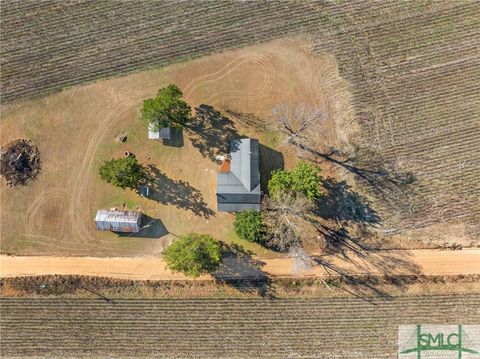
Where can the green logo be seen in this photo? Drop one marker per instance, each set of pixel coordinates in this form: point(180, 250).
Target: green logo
point(439, 341)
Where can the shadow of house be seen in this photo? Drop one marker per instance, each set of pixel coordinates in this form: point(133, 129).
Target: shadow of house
point(175, 192)
point(270, 160)
point(340, 202)
point(151, 228)
point(211, 132)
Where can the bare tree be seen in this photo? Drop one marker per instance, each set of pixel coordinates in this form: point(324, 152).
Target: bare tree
point(302, 262)
point(298, 123)
point(284, 216)
point(301, 126)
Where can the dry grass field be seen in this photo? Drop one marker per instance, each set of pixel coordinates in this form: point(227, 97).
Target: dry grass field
point(75, 131)
point(412, 69)
point(211, 328)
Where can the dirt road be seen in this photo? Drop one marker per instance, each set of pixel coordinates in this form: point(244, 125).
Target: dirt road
point(427, 262)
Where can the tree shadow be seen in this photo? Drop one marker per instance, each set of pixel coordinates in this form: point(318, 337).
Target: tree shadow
point(243, 272)
point(150, 228)
point(211, 132)
point(366, 286)
point(364, 259)
point(175, 192)
point(270, 160)
point(381, 177)
point(248, 120)
point(341, 203)
point(176, 139)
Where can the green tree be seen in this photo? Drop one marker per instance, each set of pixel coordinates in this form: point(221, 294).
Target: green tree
point(248, 225)
point(166, 109)
point(304, 179)
point(122, 172)
point(279, 183)
point(193, 255)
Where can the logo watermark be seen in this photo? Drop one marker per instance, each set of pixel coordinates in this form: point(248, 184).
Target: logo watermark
point(423, 341)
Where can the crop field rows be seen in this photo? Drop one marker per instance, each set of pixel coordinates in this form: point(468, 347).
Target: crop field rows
point(47, 47)
point(413, 74)
point(215, 327)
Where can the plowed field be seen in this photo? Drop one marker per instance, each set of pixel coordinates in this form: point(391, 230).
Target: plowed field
point(221, 328)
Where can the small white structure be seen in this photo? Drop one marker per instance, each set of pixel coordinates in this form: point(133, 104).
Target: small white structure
point(165, 133)
point(118, 221)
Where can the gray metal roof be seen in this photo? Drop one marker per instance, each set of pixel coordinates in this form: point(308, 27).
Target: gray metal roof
point(244, 175)
point(244, 163)
point(228, 183)
point(238, 207)
point(238, 198)
point(165, 133)
point(239, 189)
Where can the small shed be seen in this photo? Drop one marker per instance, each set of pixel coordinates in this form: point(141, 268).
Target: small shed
point(118, 221)
point(164, 133)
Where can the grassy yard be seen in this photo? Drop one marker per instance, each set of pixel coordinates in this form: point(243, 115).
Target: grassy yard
point(76, 129)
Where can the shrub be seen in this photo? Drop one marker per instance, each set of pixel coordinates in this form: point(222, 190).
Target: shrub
point(248, 225)
point(193, 255)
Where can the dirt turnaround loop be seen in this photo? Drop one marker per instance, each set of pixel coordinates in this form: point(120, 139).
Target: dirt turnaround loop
point(19, 162)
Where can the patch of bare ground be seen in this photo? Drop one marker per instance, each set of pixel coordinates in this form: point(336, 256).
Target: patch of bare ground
point(19, 162)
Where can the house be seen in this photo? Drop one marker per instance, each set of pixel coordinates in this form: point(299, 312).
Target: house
point(118, 221)
point(238, 182)
point(164, 133)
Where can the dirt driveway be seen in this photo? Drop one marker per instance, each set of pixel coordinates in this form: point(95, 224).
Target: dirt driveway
point(427, 262)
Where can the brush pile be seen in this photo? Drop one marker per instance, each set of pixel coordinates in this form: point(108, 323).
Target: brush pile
point(19, 162)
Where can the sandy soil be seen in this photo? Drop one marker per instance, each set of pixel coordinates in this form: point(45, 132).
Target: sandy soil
point(75, 132)
point(426, 262)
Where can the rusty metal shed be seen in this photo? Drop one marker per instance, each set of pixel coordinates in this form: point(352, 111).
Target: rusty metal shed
point(118, 221)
